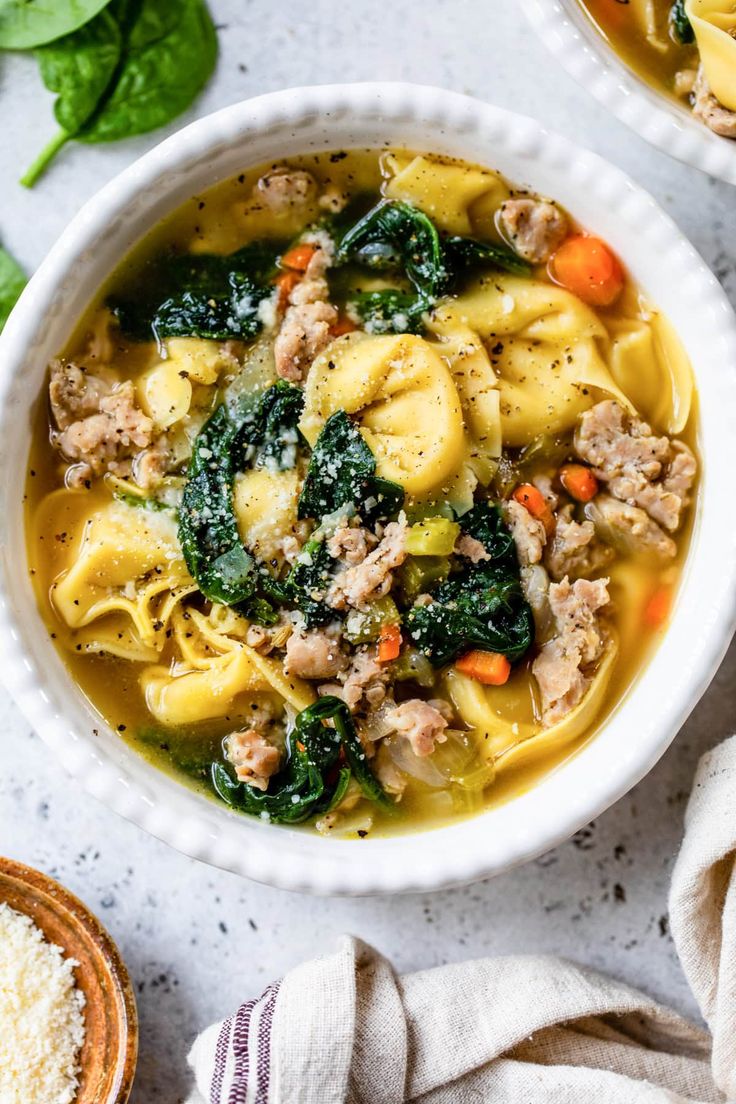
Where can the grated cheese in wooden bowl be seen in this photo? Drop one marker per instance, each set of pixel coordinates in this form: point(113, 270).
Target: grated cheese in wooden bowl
point(41, 1018)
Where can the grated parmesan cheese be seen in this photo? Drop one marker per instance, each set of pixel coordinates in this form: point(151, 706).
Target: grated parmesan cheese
point(41, 1019)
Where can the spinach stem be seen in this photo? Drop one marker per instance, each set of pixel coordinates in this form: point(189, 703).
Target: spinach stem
point(47, 154)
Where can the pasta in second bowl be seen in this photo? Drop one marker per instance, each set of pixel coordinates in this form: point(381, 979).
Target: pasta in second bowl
point(667, 68)
point(369, 489)
point(686, 48)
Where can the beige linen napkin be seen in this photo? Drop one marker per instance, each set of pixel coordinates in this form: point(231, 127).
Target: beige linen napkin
point(345, 1029)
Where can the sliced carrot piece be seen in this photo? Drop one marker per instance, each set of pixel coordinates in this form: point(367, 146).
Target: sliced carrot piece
point(532, 499)
point(658, 607)
point(490, 668)
point(342, 326)
point(286, 282)
point(587, 267)
point(389, 643)
point(299, 256)
point(579, 482)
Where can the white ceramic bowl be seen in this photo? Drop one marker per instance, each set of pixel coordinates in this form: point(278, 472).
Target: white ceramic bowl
point(565, 29)
point(634, 738)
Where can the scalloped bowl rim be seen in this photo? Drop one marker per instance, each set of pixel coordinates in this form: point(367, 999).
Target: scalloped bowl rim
point(642, 726)
point(583, 52)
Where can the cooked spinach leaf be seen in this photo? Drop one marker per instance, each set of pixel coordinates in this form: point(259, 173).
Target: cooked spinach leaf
point(354, 752)
point(25, 24)
point(465, 253)
point(234, 315)
point(313, 778)
point(12, 282)
point(396, 235)
point(341, 476)
point(208, 530)
point(142, 502)
point(481, 605)
point(682, 28)
point(257, 430)
point(389, 311)
point(342, 471)
point(134, 68)
point(200, 295)
point(486, 524)
point(308, 580)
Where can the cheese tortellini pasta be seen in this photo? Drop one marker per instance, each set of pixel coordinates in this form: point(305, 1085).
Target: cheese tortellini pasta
point(686, 49)
point(714, 24)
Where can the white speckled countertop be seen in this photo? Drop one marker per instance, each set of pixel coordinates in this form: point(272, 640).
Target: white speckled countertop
point(196, 940)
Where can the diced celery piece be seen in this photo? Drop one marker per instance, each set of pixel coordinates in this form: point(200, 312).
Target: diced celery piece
point(417, 575)
point(435, 536)
point(412, 666)
point(362, 626)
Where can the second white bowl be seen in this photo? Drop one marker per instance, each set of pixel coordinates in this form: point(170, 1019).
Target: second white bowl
point(565, 29)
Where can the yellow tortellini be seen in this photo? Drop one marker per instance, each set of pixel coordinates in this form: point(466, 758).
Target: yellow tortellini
point(165, 390)
point(454, 196)
point(649, 363)
point(480, 399)
point(187, 696)
point(129, 561)
point(216, 669)
point(406, 400)
point(714, 23)
point(113, 635)
point(266, 506)
point(165, 393)
point(476, 383)
point(199, 359)
point(545, 347)
point(515, 744)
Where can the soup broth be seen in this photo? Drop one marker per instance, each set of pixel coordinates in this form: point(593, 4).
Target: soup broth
point(363, 492)
point(687, 50)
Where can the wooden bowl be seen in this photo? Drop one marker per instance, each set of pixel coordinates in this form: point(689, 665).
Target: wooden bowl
point(110, 1048)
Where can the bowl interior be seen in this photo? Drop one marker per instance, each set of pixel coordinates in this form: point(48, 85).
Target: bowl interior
point(568, 32)
point(675, 278)
point(109, 1052)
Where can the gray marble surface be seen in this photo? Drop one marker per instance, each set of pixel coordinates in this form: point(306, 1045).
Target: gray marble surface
point(197, 940)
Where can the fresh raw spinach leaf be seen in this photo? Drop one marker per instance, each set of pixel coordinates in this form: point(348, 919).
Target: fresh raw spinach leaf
point(170, 53)
point(389, 311)
point(682, 28)
point(25, 24)
point(12, 282)
point(481, 605)
point(203, 295)
point(258, 430)
point(79, 68)
point(134, 68)
point(313, 778)
point(342, 471)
